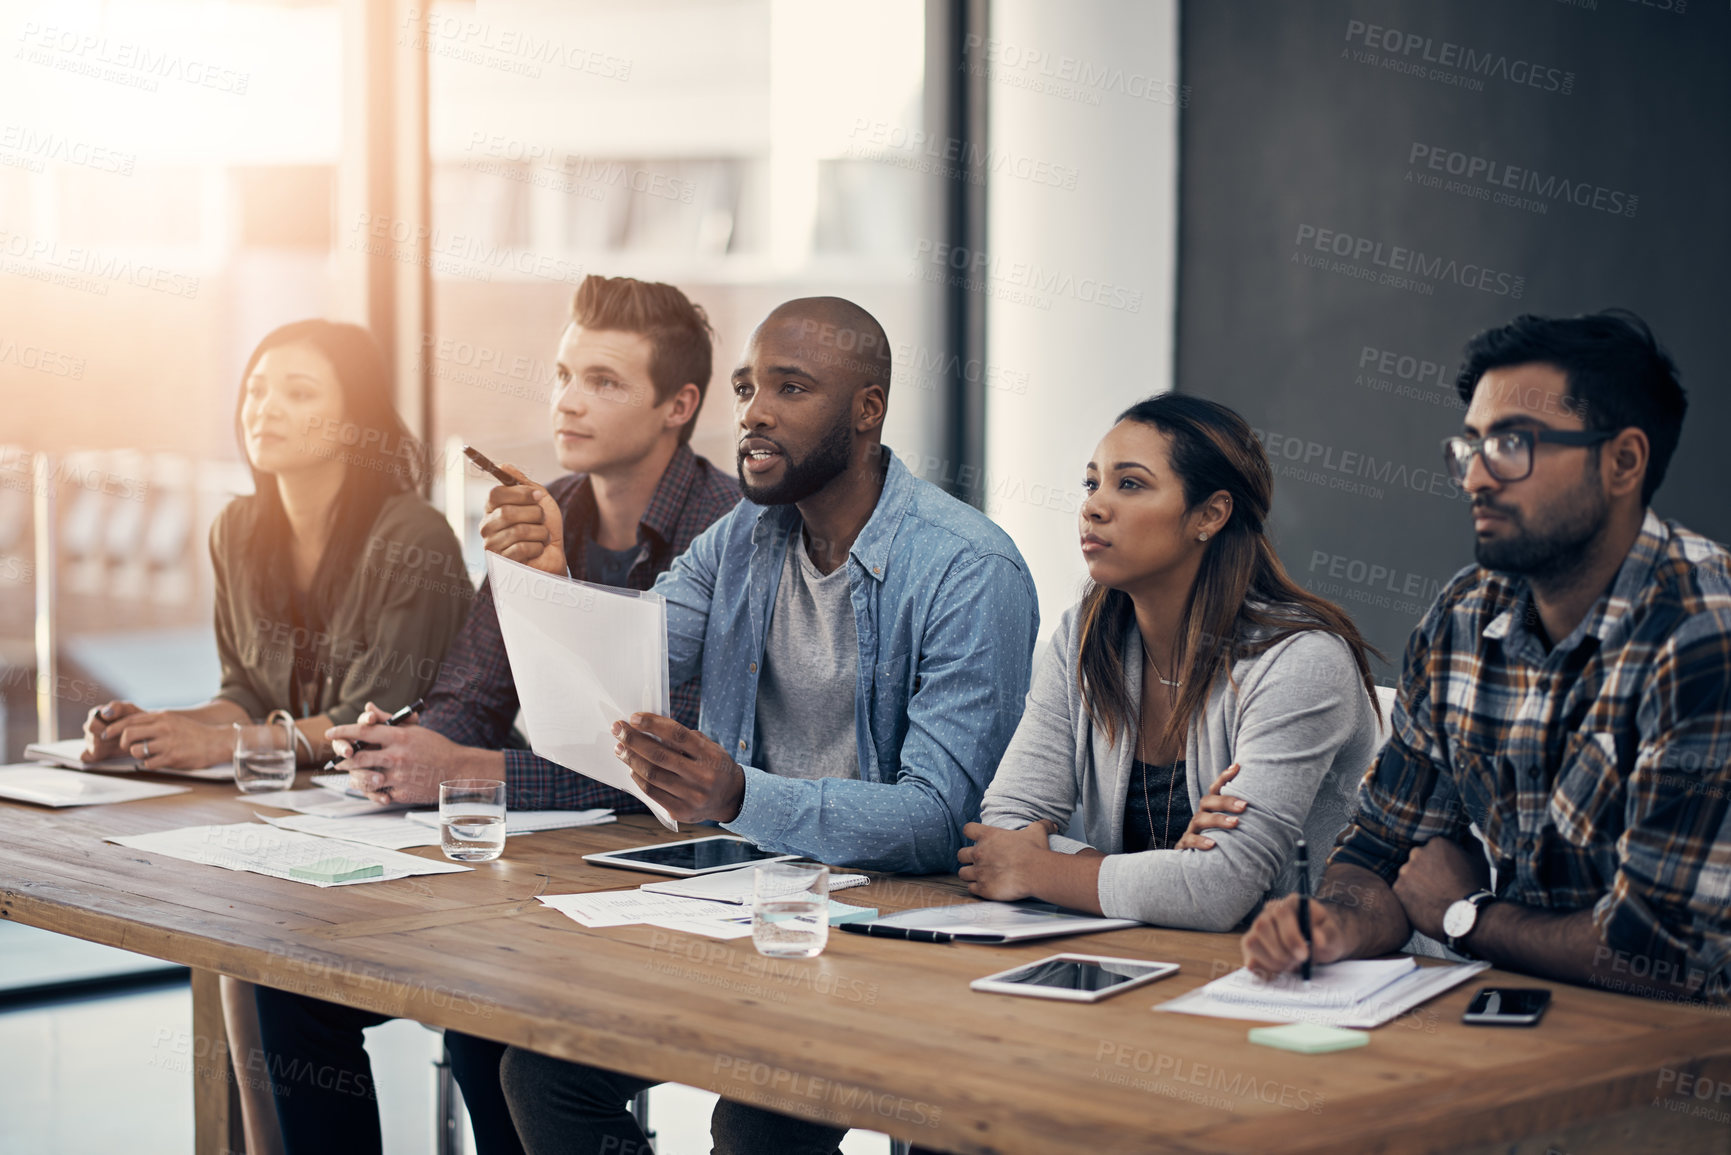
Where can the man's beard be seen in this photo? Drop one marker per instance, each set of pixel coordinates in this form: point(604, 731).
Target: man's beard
point(803, 478)
point(1553, 550)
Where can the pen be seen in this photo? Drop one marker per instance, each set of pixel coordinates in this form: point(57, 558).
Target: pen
point(400, 716)
point(914, 934)
point(1304, 905)
point(486, 463)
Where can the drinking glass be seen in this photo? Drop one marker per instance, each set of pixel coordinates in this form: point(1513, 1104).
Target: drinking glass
point(790, 909)
point(264, 753)
point(472, 819)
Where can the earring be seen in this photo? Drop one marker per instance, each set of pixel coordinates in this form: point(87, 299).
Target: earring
point(1203, 536)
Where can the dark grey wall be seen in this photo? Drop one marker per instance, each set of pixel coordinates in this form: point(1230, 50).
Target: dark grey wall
point(1295, 124)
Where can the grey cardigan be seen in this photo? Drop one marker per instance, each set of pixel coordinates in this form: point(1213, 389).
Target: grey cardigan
point(1296, 717)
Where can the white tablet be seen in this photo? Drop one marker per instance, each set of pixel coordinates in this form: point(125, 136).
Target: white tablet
point(1080, 978)
point(688, 857)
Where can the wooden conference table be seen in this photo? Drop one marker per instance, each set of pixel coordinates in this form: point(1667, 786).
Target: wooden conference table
point(874, 1033)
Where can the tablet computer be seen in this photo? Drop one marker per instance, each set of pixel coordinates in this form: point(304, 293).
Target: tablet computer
point(1080, 978)
point(688, 857)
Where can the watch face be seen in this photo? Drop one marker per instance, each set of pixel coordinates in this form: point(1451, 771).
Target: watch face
point(1458, 919)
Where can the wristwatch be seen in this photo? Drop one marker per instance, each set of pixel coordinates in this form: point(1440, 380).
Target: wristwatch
point(1461, 917)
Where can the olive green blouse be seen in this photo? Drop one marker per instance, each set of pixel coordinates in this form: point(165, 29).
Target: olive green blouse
point(403, 606)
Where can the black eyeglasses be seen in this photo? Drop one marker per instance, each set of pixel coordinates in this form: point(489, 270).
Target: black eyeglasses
point(1509, 455)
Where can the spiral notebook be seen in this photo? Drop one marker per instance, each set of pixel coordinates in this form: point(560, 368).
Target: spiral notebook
point(735, 885)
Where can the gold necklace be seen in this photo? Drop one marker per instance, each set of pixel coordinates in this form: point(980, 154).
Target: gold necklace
point(1172, 783)
point(1163, 679)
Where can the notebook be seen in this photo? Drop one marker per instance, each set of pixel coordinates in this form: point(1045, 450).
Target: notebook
point(991, 922)
point(736, 885)
point(68, 753)
point(52, 786)
point(1360, 993)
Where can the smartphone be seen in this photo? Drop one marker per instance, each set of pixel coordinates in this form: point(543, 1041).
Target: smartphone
point(1507, 1007)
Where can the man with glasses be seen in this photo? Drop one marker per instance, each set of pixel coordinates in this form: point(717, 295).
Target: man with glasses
point(1556, 793)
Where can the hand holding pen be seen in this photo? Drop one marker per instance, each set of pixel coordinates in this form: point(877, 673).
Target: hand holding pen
point(522, 523)
point(397, 719)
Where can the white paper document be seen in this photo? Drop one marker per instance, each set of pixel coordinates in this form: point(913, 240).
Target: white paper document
point(739, 886)
point(337, 784)
point(1359, 993)
point(388, 831)
point(68, 753)
point(52, 786)
point(398, 831)
point(583, 657)
point(625, 907)
point(267, 850)
point(324, 803)
point(712, 926)
point(610, 908)
point(530, 821)
point(729, 921)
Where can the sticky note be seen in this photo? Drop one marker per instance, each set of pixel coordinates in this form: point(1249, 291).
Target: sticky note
point(1308, 1038)
point(335, 870)
point(841, 912)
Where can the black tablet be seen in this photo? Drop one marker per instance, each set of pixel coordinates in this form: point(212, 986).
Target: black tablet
point(689, 857)
point(1082, 978)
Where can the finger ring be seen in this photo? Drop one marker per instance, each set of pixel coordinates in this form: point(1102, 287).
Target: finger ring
point(145, 746)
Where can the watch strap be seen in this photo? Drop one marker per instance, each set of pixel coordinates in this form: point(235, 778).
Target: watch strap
point(1478, 899)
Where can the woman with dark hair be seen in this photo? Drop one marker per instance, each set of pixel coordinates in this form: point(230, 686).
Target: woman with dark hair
point(336, 583)
point(336, 586)
point(1192, 661)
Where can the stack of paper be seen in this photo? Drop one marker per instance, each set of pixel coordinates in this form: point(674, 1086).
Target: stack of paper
point(265, 849)
point(1361, 993)
point(50, 786)
point(69, 754)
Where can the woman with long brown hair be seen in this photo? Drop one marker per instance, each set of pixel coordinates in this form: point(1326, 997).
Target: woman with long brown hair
point(336, 585)
point(336, 582)
point(1191, 658)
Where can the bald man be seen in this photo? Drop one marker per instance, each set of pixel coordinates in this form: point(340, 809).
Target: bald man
point(864, 641)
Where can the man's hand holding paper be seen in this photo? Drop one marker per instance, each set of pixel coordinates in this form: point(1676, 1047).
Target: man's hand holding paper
point(681, 769)
point(582, 656)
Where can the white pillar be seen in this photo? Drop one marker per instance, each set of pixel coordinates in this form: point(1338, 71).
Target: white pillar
point(1082, 227)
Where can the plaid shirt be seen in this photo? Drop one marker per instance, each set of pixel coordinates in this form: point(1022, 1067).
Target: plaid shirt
point(475, 700)
point(1598, 773)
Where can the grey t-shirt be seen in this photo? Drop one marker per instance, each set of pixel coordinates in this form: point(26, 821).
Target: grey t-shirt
point(805, 693)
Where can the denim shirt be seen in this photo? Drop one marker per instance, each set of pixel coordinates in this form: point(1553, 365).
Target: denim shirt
point(946, 615)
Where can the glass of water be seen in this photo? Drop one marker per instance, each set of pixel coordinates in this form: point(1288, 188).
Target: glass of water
point(790, 909)
point(264, 753)
point(472, 819)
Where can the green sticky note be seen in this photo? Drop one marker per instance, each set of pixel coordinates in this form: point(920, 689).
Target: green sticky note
point(840, 912)
point(335, 870)
point(1308, 1038)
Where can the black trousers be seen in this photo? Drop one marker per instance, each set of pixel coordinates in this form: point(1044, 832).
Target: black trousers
point(316, 1061)
point(564, 1108)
